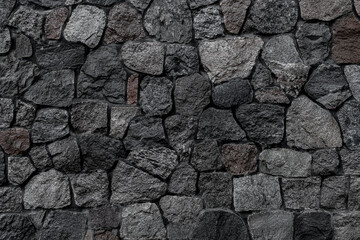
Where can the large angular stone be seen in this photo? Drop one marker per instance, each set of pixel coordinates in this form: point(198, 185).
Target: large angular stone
point(216, 189)
point(54, 23)
point(192, 94)
point(301, 193)
point(40, 157)
point(325, 162)
point(206, 156)
point(234, 14)
point(181, 213)
point(354, 193)
point(19, 169)
point(308, 126)
point(120, 118)
point(220, 125)
point(25, 114)
point(2, 168)
point(169, 21)
point(183, 180)
point(228, 58)
point(15, 141)
point(23, 45)
point(142, 221)
point(156, 96)
point(145, 131)
point(50, 124)
point(272, 225)
point(256, 192)
point(130, 184)
point(324, 10)
point(5, 40)
point(232, 93)
point(349, 120)
point(47, 190)
point(5, 9)
point(16, 226)
point(346, 225)
point(105, 217)
point(144, 57)
point(352, 73)
point(28, 20)
point(90, 189)
point(100, 151)
point(208, 23)
point(55, 89)
point(240, 159)
point(7, 112)
point(220, 224)
point(327, 85)
point(313, 226)
point(333, 192)
point(181, 60)
point(86, 25)
point(11, 199)
point(313, 41)
point(271, 17)
point(263, 123)
point(281, 56)
point(124, 24)
point(350, 161)
point(64, 225)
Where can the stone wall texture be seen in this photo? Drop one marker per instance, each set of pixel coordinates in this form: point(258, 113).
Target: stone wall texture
point(180, 119)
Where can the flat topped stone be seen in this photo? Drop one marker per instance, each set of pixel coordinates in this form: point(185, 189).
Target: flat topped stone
point(324, 10)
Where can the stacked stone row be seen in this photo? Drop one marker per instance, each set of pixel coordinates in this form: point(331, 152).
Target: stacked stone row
point(175, 119)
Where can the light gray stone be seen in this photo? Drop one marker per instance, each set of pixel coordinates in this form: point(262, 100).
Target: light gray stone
point(206, 156)
point(346, 225)
point(349, 120)
point(5, 40)
point(325, 162)
point(352, 73)
point(333, 192)
point(19, 169)
point(350, 160)
point(11, 199)
point(120, 118)
point(208, 23)
point(354, 193)
point(7, 112)
point(324, 10)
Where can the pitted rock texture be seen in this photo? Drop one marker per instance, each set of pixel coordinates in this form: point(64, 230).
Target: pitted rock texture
point(324, 10)
point(240, 158)
point(349, 122)
point(234, 14)
point(313, 225)
point(208, 23)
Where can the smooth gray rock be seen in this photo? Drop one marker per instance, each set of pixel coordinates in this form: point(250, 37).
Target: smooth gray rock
point(86, 25)
point(206, 156)
point(47, 190)
point(308, 126)
point(354, 193)
point(272, 225)
point(142, 221)
point(11, 199)
point(350, 160)
point(16, 226)
point(220, 125)
point(23, 45)
point(5, 40)
point(40, 157)
point(349, 119)
point(25, 114)
point(105, 217)
point(325, 162)
point(208, 23)
point(130, 184)
point(333, 192)
point(183, 180)
point(169, 21)
point(313, 226)
point(50, 124)
point(301, 193)
point(285, 162)
point(232, 93)
point(223, 59)
point(352, 73)
point(6, 112)
point(346, 225)
point(256, 192)
point(181, 60)
point(200, 3)
point(19, 169)
point(120, 118)
point(324, 10)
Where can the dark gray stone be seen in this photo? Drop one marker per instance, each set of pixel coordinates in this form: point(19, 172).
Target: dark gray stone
point(140, 4)
point(354, 193)
point(48, 3)
point(19, 169)
point(234, 12)
point(106, 217)
point(325, 162)
point(130, 184)
point(192, 94)
point(324, 10)
point(200, 3)
point(6, 112)
point(346, 225)
point(220, 125)
point(100, 152)
point(25, 114)
point(2, 168)
point(181, 60)
point(120, 119)
point(15, 227)
point(11, 199)
point(232, 93)
point(273, 17)
point(208, 23)
point(333, 192)
point(101, 2)
point(5, 40)
point(263, 123)
point(183, 180)
point(23, 46)
point(216, 224)
point(350, 161)
point(5, 9)
point(156, 96)
point(216, 189)
point(54, 89)
point(349, 120)
point(352, 73)
point(313, 226)
point(145, 131)
point(169, 21)
point(40, 157)
point(206, 156)
point(313, 40)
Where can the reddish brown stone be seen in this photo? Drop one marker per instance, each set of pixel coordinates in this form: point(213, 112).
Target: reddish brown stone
point(124, 24)
point(15, 140)
point(271, 95)
point(105, 235)
point(54, 22)
point(234, 13)
point(240, 158)
point(132, 89)
point(346, 40)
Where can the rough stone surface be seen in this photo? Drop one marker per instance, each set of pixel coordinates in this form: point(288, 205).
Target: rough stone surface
point(144, 57)
point(54, 89)
point(90, 189)
point(232, 93)
point(142, 221)
point(271, 17)
point(350, 160)
point(327, 85)
point(15, 140)
point(50, 124)
point(333, 192)
point(140, 4)
point(228, 58)
point(313, 40)
point(156, 96)
point(208, 23)
point(240, 158)
point(169, 21)
point(216, 189)
point(47, 190)
point(206, 156)
point(272, 225)
point(346, 225)
point(132, 89)
point(28, 20)
point(200, 3)
point(352, 73)
point(234, 14)
point(181, 60)
point(281, 56)
point(2, 168)
point(54, 23)
point(308, 126)
point(263, 123)
point(65, 155)
point(301, 193)
point(7, 112)
point(313, 225)
point(48, 3)
point(256, 192)
point(105, 217)
point(124, 23)
point(348, 116)
point(23, 45)
point(16, 226)
point(120, 118)
point(5, 9)
point(324, 10)
point(220, 224)
point(325, 162)
point(354, 193)
point(25, 114)
point(11, 199)
point(285, 162)
point(183, 180)
point(19, 169)
point(192, 94)
point(5, 40)
point(130, 184)
point(86, 25)
point(40, 157)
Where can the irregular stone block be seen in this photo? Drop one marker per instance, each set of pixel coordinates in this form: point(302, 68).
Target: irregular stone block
point(106, 217)
point(140, 4)
point(232, 93)
point(240, 159)
point(25, 114)
point(16, 226)
point(40, 157)
point(350, 160)
point(346, 225)
point(23, 45)
point(181, 60)
point(11, 199)
point(132, 89)
point(54, 23)
point(325, 162)
point(349, 119)
point(314, 226)
point(324, 10)
point(120, 118)
point(333, 192)
point(206, 156)
point(2, 168)
point(208, 23)
point(5, 40)
point(6, 112)
point(352, 73)
point(183, 180)
point(234, 14)
point(354, 193)
point(5, 9)
point(19, 169)
point(15, 140)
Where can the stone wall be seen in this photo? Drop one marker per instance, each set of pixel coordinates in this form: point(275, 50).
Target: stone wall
point(179, 119)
